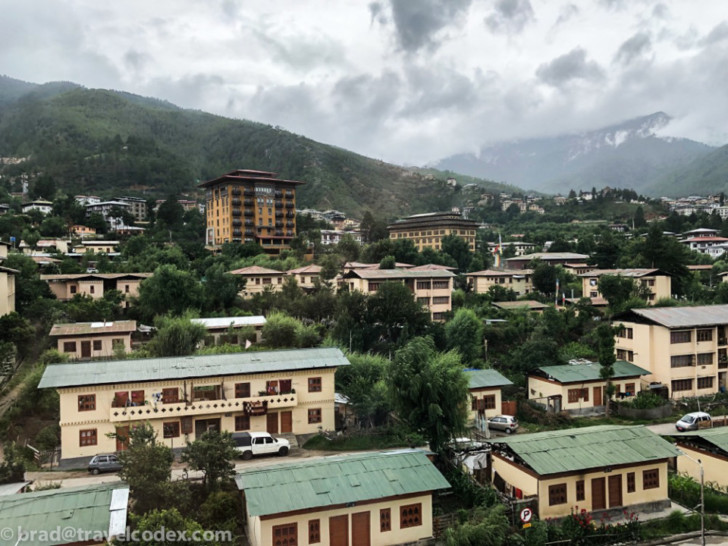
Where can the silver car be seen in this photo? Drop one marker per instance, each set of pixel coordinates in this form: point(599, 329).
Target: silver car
point(506, 423)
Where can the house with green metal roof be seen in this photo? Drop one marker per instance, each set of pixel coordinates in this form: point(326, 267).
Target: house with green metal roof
point(281, 392)
point(71, 515)
point(485, 394)
point(710, 447)
point(578, 387)
point(599, 468)
point(367, 498)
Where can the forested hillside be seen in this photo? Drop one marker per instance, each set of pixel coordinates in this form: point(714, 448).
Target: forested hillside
point(108, 142)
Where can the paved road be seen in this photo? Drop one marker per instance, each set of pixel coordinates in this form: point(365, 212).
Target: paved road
point(665, 429)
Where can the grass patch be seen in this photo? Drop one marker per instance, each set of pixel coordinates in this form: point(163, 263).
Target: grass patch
point(677, 523)
point(361, 442)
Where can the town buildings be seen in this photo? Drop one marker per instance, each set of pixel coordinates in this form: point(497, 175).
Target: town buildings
point(655, 284)
point(276, 391)
point(219, 329)
point(87, 340)
point(40, 205)
point(685, 348)
point(257, 279)
point(518, 280)
point(485, 395)
point(427, 230)
point(136, 206)
point(551, 258)
point(360, 499)
point(246, 205)
point(598, 468)
point(710, 447)
point(94, 285)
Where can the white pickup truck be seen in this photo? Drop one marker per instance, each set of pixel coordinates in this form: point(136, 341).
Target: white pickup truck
point(260, 443)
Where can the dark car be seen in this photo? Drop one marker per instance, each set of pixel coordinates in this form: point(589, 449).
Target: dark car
point(104, 463)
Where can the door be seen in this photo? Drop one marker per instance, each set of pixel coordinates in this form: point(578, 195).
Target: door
point(599, 501)
point(272, 423)
point(360, 529)
point(286, 421)
point(85, 349)
point(339, 531)
point(615, 490)
point(122, 438)
point(203, 425)
point(597, 396)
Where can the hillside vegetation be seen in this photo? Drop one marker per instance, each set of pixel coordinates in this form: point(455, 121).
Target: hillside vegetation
point(110, 143)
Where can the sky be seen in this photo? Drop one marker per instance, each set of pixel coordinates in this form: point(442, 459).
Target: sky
point(405, 81)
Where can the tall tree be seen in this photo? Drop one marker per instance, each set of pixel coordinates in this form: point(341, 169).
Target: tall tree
point(169, 290)
point(605, 350)
point(211, 453)
point(465, 334)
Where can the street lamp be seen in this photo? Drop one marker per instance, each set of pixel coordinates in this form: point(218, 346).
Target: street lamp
point(702, 495)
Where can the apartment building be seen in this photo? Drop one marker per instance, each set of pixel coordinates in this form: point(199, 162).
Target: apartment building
point(227, 329)
point(427, 230)
point(95, 246)
point(39, 204)
point(598, 468)
point(432, 289)
point(181, 398)
point(306, 276)
point(137, 206)
point(518, 280)
point(66, 286)
point(358, 499)
point(685, 348)
point(656, 283)
point(520, 248)
point(551, 258)
point(258, 279)
point(251, 206)
point(87, 340)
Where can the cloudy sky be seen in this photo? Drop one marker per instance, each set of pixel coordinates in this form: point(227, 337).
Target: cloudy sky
point(406, 81)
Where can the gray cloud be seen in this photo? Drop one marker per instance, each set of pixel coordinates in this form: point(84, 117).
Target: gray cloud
point(568, 67)
point(566, 13)
point(419, 22)
point(718, 34)
point(660, 11)
point(377, 12)
point(136, 60)
point(510, 16)
point(635, 47)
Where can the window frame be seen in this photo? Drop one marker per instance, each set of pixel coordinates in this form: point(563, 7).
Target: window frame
point(86, 402)
point(315, 416)
point(171, 429)
point(558, 494)
point(651, 478)
point(88, 437)
point(315, 384)
point(385, 520)
point(412, 519)
point(241, 389)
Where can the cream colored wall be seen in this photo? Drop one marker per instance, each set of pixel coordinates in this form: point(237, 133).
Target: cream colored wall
point(515, 476)
point(133, 285)
point(481, 284)
point(715, 470)
point(84, 288)
point(251, 288)
point(435, 293)
point(538, 388)
point(7, 292)
point(639, 495)
point(72, 420)
point(107, 345)
point(395, 536)
point(480, 394)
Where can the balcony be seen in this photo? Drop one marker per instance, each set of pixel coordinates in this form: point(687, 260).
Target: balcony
point(236, 190)
point(237, 222)
point(278, 194)
point(249, 202)
point(249, 193)
point(279, 204)
point(289, 224)
point(236, 202)
point(237, 233)
point(290, 205)
point(279, 214)
point(289, 194)
point(290, 214)
point(236, 212)
point(203, 407)
point(249, 212)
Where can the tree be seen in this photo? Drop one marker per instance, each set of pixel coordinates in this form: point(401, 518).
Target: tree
point(279, 331)
point(544, 278)
point(349, 248)
point(484, 526)
point(605, 350)
point(170, 213)
point(639, 217)
point(12, 468)
point(211, 453)
point(160, 527)
point(429, 391)
point(457, 248)
point(364, 384)
point(616, 290)
point(176, 336)
point(220, 288)
point(465, 334)
point(388, 262)
point(394, 311)
point(146, 467)
point(169, 290)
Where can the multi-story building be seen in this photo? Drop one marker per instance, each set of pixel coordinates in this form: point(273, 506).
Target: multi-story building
point(306, 276)
point(181, 398)
point(658, 284)
point(334, 236)
point(427, 230)
point(685, 348)
point(96, 247)
point(251, 206)
point(551, 258)
point(258, 279)
point(39, 204)
point(109, 212)
point(86, 340)
point(65, 286)
point(518, 280)
point(137, 206)
point(431, 288)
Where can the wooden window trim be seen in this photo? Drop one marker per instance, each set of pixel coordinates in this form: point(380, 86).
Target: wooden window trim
point(88, 437)
point(242, 422)
point(86, 402)
point(314, 531)
point(557, 494)
point(314, 384)
point(285, 534)
point(171, 429)
point(242, 390)
point(651, 478)
point(314, 416)
point(631, 482)
point(385, 520)
point(410, 515)
point(580, 492)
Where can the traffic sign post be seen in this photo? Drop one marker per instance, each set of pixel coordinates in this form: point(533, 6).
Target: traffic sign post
point(526, 515)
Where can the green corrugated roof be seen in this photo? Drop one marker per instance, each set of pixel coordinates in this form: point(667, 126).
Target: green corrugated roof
point(96, 509)
point(486, 378)
point(157, 369)
point(577, 373)
point(337, 480)
point(571, 450)
point(716, 436)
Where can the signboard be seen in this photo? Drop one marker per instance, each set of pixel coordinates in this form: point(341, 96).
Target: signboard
point(526, 515)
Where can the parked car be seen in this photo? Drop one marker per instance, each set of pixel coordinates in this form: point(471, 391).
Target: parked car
point(260, 443)
point(104, 463)
point(506, 423)
point(693, 421)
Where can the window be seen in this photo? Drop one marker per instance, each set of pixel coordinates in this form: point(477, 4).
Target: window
point(705, 359)
point(87, 437)
point(69, 346)
point(682, 361)
point(580, 490)
point(704, 335)
point(629, 388)
point(682, 385)
point(441, 300)
point(285, 535)
point(126, 288)
point(682, 336)
point(630, 482)
point(489, 401)
point(374, 286)
point(97, 344)
point(423, 301)
point(242, 422)
point(170, 396)
point(385, 520)
point(314, 531)
point(86, 402)
point(576, 394)
point(440, 285)
point(557, 494)
point(705, 382)
point(314, 415)
point(650, 479)
point(242, 390)
point(91, 289)
point(410, 515)
point(314, 384)
point(74, 289)
point(171, 430)
point(137, 398)
point(187, 425)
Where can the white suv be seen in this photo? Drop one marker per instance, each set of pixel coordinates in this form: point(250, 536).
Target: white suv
point(260, 443)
